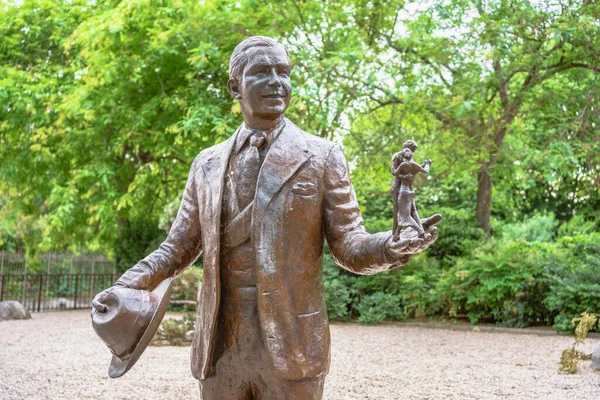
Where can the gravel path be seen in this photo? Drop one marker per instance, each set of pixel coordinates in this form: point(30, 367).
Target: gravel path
point(58, 356)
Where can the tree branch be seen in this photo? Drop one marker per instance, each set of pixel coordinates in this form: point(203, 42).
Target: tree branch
point(501, 84)
point(424, 58)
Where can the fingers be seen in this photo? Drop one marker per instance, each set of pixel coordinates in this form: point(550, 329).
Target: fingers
point(97, 301)
point(409, 243)
point(434, 234)
point(401, 244)
point(406, 245)
point(430, 237)
point(414, 245)
point(431, 221)
point(99, 306)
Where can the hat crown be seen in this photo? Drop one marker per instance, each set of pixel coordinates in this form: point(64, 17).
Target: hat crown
point(129, 311)
point(129, 321)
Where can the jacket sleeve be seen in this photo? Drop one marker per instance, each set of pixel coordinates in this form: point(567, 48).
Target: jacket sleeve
point(352, 247)
point(181, 249)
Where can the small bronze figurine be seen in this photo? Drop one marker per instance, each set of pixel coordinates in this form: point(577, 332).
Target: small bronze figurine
point(404, 169)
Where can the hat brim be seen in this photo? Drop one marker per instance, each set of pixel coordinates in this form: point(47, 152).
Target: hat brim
point(118, 367)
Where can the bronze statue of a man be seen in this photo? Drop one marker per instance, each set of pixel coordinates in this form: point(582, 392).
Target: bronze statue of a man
point(260, 206)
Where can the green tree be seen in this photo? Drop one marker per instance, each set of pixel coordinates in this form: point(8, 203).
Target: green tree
point(465, 76)
point(105, 105)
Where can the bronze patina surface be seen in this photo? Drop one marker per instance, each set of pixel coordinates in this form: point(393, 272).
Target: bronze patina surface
point(404, 169)
point(260, 206)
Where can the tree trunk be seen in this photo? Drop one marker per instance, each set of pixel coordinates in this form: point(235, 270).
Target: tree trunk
point(484, 199)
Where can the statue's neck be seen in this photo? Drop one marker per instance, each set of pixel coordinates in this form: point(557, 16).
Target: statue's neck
point(263, 124)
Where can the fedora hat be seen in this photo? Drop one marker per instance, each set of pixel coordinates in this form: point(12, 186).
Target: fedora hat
point(130, 320)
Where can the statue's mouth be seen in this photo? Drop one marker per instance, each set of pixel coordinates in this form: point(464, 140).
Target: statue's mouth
point(274, 96)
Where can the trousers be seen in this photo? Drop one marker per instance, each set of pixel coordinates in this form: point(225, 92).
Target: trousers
point(243, 369)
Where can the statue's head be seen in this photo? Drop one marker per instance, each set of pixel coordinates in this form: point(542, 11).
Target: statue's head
point(407, 154)
point(411, 145)
point(259, 77)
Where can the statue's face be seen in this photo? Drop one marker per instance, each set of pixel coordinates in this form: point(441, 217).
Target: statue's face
point(265, 89)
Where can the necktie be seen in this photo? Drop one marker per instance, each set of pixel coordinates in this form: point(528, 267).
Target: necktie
point(247, 172)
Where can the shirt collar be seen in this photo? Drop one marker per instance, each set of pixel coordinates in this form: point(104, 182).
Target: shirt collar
point(246, 132)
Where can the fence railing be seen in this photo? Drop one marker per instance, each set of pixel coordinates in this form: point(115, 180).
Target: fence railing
point(53, 292)
point(64, 281)
point(17, 263)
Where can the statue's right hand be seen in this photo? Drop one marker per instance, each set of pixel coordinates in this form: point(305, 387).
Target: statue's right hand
point(97, 302)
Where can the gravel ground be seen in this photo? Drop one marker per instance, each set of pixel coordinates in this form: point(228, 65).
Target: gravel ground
point(58, 356)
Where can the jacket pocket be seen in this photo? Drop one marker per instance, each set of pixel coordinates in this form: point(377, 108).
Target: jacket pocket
point(304, 189)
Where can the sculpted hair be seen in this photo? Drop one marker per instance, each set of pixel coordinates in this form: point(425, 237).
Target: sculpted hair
point(239, 58)
point(410, 144)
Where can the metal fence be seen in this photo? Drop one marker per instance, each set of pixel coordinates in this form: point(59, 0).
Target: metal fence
point(54, 292)
point(65, 281)
point(17, 263)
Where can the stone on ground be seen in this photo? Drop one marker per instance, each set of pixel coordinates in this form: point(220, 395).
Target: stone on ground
point(596, 358)
point(10, 310)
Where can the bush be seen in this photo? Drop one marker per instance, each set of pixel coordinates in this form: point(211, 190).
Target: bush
point(574, 281)
point(369, 299)
point(518, 280)
point(503, 282)
point(539, 228)
point(397, 295)
point(376, 307)
point(577, 226)
point(185, 288)
point(172, 331)
point(337, 292)
point(459, 234)
point(417, 290)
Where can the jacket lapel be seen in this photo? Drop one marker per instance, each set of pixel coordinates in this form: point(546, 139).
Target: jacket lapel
point(284, 158)
point(215, 169)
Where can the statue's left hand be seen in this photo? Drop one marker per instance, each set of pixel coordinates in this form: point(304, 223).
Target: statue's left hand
point(411, 243)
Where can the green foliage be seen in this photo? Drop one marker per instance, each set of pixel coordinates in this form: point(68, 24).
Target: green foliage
point(417, 291)
point(539, 228)
point(574, 280)
point(105, 104)
point(459, 235)
point(378, 306)
point(514, 283)
point(137, 238)
point(172, 331)
point(337, 290)
point(576, 226)
point(394, 295)
point(502, 282)
point(185, 288)
point(369, 299)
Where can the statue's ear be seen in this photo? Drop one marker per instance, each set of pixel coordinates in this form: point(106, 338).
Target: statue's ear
point(234, 88)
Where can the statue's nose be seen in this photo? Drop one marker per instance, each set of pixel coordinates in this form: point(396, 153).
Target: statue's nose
point(274, 78)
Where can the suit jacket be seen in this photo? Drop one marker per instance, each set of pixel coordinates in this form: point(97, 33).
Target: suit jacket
point(303, 196)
